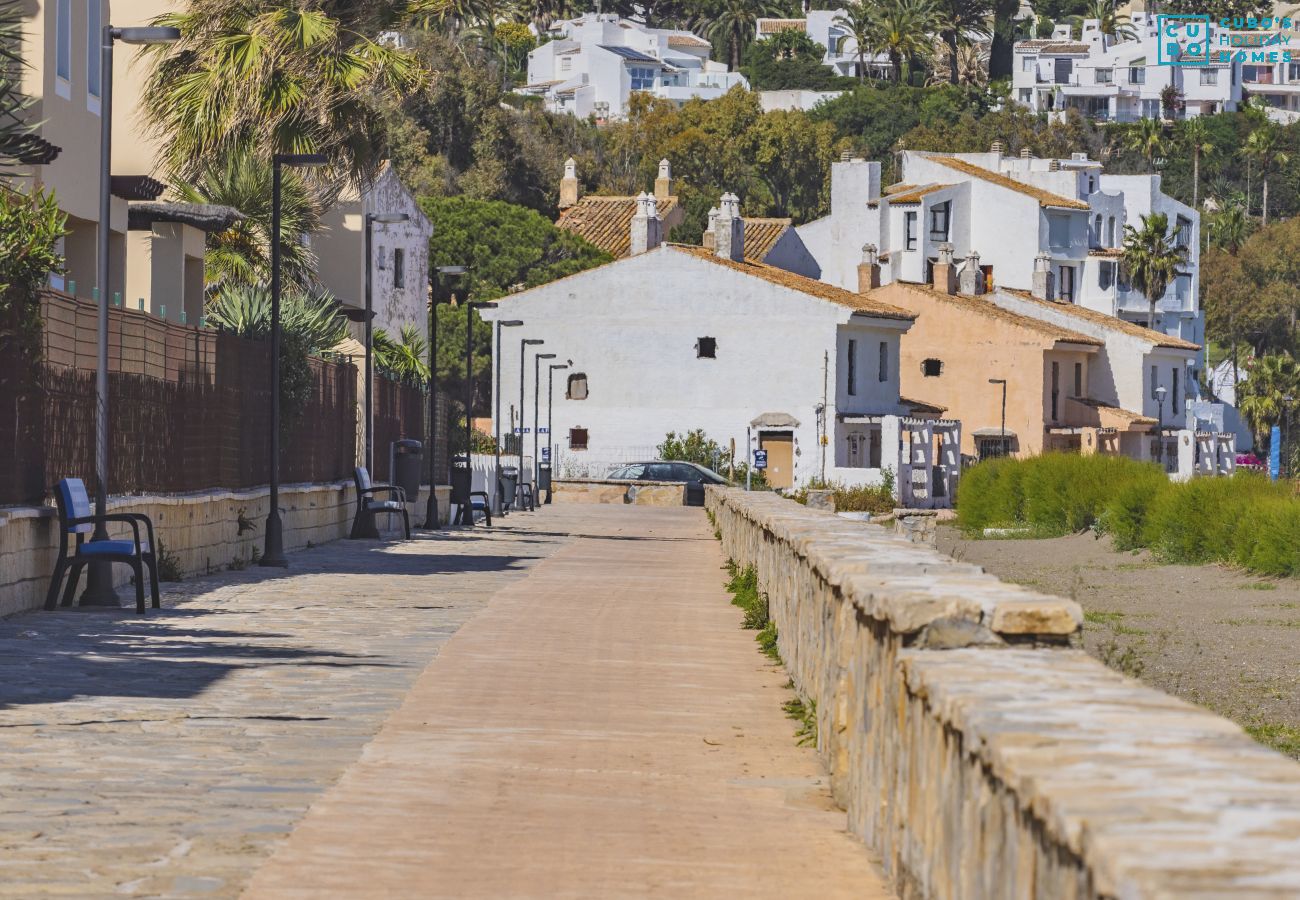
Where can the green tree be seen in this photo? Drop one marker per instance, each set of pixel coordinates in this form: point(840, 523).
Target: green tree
point(241, 254)
point(1195, 136)
point(272, 76)
point(1111, 21)
point(730, 24)
point(30, 228)
point(1147, 137)
point(789, 60)
point(1152, 258)
point(792, 157)
point(859, 20)
point(1263, 147)
point(1270, 391)
point(693, 446)
point(902, 30)
point(962, 22)
point(404, 358)
point(1004, 37)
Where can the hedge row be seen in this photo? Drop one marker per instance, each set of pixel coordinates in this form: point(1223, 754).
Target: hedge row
point(1245, 520)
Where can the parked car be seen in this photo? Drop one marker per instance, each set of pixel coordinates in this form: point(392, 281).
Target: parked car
point(695, 477)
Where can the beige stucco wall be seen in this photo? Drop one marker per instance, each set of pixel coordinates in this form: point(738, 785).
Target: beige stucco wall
point(979, 754)
point(637, 493)
point(974, 348)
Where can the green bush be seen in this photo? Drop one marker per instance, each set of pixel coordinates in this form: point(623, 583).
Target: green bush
point(1245, 520)
point(878, 498)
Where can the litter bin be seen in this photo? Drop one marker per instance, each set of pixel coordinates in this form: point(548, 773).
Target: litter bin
point(509, 485)
point(408, 463)
point(461, 479)
point(544, 481)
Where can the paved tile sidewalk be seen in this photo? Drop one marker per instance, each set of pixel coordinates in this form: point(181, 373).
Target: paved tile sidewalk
point(168, 755)
point(602, 729)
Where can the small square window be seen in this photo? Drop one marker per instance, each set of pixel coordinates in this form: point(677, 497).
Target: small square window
point(706, 348)
point(577, 439)
point(931, 368)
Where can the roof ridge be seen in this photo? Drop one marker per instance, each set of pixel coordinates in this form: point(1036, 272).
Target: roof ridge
point(1044, 197)
point(977, 304)
point(1105, 320)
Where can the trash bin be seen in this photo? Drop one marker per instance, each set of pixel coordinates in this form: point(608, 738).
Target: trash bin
point(461, 479)
point(408, 463)
point(544, 478)
point(509, 485)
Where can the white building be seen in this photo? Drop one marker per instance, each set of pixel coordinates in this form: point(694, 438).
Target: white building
point(674, 338)
point(841, 49)
point(593, 63)
point(1119, 81)
point(399, 255)
point(1010, 210)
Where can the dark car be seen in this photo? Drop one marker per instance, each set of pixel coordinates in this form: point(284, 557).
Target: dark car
point(695, 477)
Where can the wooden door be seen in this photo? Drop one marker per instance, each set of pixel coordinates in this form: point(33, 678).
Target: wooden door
point(780, 458)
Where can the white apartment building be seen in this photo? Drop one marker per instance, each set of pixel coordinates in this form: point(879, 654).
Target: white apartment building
point(841, 49)
point(592, 64)
point(1119, 81)
point(1014, 212)
point(674, 338)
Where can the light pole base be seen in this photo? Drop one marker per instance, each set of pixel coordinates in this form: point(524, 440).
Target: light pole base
point(99, 590)
point(273, 554)
point(432, 521)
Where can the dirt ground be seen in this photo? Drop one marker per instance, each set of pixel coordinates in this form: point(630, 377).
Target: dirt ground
point(1224, 639)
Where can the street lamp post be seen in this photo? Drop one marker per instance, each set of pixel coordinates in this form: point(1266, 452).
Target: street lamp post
point(99, 579)
point(1160, 427)
point(496, 417)
point(1002, 434)
point(523, 352)
point(373, 219)
point(537, 419)
point(273, 551)
point(431, 518)
point(550, 403)
point(466, 515)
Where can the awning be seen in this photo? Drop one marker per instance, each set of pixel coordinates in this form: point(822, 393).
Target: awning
point(775, 420)
point(993, 433)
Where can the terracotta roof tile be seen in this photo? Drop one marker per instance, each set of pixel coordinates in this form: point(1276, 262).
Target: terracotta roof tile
point(1100, 318)
point(1119, 412)
point(898, 188)
point(772, 26)
point(761, 236)
point(1064, 47)
point(607, 221)
point(991, 310)
point(810, 286)
point(915, 195)
point(687, 40)
point(1044, 198)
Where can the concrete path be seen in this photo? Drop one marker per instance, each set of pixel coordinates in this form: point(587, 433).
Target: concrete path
point(603, 728)
point(167, 755)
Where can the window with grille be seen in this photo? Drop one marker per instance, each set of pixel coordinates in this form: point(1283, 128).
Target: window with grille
point(706, 348)
point(931, 368)
point(577, 439)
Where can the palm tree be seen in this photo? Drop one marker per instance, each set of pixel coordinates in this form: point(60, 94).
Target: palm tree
point(1195, 134)
point(242, 253)
point(1112, 23)
point(1229, 226)
point(859, 20)
point(1262, 147)
point(1272, 383)
point(960, 20)
point(972, 65)
point(1152, 258)
point(1146, 136)
point(731, 23)
point(903, 30)
point(274, 75)
point(403, 358)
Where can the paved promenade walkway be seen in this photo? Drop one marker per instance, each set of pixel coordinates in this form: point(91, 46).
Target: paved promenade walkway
point(562, 707)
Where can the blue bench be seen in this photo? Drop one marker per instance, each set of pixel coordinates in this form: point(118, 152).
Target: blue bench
point(368, 505)
point(77, 519)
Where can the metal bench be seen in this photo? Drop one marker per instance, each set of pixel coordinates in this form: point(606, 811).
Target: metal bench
point(76, 518)
point(368, 505)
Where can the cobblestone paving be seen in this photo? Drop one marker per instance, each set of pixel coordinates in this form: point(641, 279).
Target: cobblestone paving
point(168, 755)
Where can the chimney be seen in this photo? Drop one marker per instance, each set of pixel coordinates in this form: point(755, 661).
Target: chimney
point(664, 183)
point(1042, 282)
point(647, 228)
point(869, 269)
point(970, 280)
point(1054, 165)
point(1025, 154)
point(945, 273)
point(997, 149)
point(569, 184)
point(710, 239)
point(729, 232)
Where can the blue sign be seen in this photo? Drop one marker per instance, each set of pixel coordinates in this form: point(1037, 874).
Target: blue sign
point(523, 431)
point(543, 431)
point(1275, 453)
point(546, 454)
point(760, 459)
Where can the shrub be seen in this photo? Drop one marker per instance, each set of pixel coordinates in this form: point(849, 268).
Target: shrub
point(878, 498)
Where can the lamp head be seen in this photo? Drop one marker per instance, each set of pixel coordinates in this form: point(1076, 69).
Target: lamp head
point(997, 381)
point(147, 35)
point(532, 341)
point(388, 218)
point(546, 356)
point(561, 366)
point(300, 160)
point(510, 323)
point(482, 304)
point(1160, 392)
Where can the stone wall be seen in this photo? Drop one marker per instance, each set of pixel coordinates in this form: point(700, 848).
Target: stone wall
point(204, 531)
point(979, 753)
point(639, 493)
